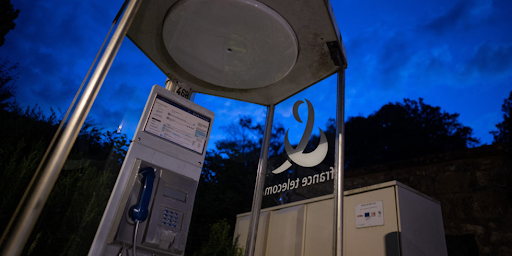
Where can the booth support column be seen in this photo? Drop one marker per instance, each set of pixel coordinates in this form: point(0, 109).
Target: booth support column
point(339, 164)
point(65, 143)
point(260, 183)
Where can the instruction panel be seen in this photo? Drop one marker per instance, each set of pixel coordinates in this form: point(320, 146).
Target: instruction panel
point(178, 124)
point(369, 215)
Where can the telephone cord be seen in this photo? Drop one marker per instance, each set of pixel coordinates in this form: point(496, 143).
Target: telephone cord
point(135, 238)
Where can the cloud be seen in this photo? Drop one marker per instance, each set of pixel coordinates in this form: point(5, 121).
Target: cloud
point(53, 28)
point(376, 55)
point(491, 59)
point(52, 44)
point(427, 67)
point(449, 20)
point(119, 103)
point(394, 54)
point(464, 15)
point(388, 66)
point(395, 50)
point(501, 12)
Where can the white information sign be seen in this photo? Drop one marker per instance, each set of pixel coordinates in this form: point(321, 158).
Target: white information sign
point(369, 215)
point(178, 124)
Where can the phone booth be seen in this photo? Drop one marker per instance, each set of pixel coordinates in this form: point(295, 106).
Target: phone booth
point(257, 51)
point(151, 204)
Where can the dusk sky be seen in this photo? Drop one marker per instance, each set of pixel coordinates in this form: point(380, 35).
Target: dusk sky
point(454, 54)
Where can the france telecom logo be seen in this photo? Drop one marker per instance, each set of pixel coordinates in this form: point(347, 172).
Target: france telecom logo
point(297, 154)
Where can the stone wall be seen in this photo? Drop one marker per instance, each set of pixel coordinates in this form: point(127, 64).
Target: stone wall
point(474, 187)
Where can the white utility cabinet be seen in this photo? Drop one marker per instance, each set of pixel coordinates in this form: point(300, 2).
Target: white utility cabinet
point(387, 219)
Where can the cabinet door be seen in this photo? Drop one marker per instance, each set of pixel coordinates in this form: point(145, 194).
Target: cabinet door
point(319, 228)
point(421, 225)
point(242, 231)
point(378, 240)
point(286, 232)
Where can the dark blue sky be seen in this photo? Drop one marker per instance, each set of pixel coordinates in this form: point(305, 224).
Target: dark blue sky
point(454, 54)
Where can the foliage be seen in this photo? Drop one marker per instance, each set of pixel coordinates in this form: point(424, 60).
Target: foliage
point(245, 138)
point(69, 220)
point(7, 16)
point(504, 133)
point(7, 80)
point(75, 206)
point(220, 242)
point(395, 132)
point(401, 131)
point(227, 180)
point(398, 131)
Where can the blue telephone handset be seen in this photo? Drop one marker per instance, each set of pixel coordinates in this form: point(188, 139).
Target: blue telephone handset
point(140, 211)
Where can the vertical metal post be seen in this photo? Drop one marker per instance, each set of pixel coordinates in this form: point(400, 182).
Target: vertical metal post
point(61, 152)
point(260, 183)
point(339, 164)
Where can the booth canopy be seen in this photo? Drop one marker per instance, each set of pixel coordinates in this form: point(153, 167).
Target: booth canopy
point(255, 51)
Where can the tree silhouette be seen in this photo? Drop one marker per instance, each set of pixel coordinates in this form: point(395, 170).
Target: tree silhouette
point(75, 206)
point(398, 131)
point(7, 75)
point(395, 132)
point(228, 177)
point(7, 79)
point(504, 133)
point(403, 130)
point(7, 17)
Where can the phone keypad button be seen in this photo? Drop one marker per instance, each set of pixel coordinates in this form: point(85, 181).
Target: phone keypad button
point(171, 218)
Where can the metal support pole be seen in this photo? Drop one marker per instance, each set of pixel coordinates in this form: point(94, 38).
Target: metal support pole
point(54, 166)
point(260, 183)
point(169, 84)
point(339, 164)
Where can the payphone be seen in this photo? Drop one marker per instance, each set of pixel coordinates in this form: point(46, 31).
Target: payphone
point(150, 208)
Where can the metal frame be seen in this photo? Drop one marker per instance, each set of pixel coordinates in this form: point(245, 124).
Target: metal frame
point(54, 166)
point(260, 183)
point(61, 152)
point(312, 21)
point(339, 164)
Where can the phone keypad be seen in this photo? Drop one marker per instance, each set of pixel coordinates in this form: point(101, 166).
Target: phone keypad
point(171, 218)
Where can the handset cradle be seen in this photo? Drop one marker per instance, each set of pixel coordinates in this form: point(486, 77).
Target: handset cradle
point(140, 211)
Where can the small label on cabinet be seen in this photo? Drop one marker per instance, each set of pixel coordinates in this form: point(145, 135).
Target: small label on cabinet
point(369, 215)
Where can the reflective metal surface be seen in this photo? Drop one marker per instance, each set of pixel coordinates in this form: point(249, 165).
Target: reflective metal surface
point(240, 44)
point(260, 183)
point(339, 164)
point(312, 22)
point(61, 151)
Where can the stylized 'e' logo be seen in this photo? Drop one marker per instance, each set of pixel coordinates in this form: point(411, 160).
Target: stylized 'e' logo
point(297, 154)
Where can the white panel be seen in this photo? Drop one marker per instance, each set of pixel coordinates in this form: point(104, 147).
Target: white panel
point(285, 233)
point(201, 37)
point(421, 223)
point(242, 231)
point(413, 225)
point(311, 21)
point(319, 228)
point(376, 240)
